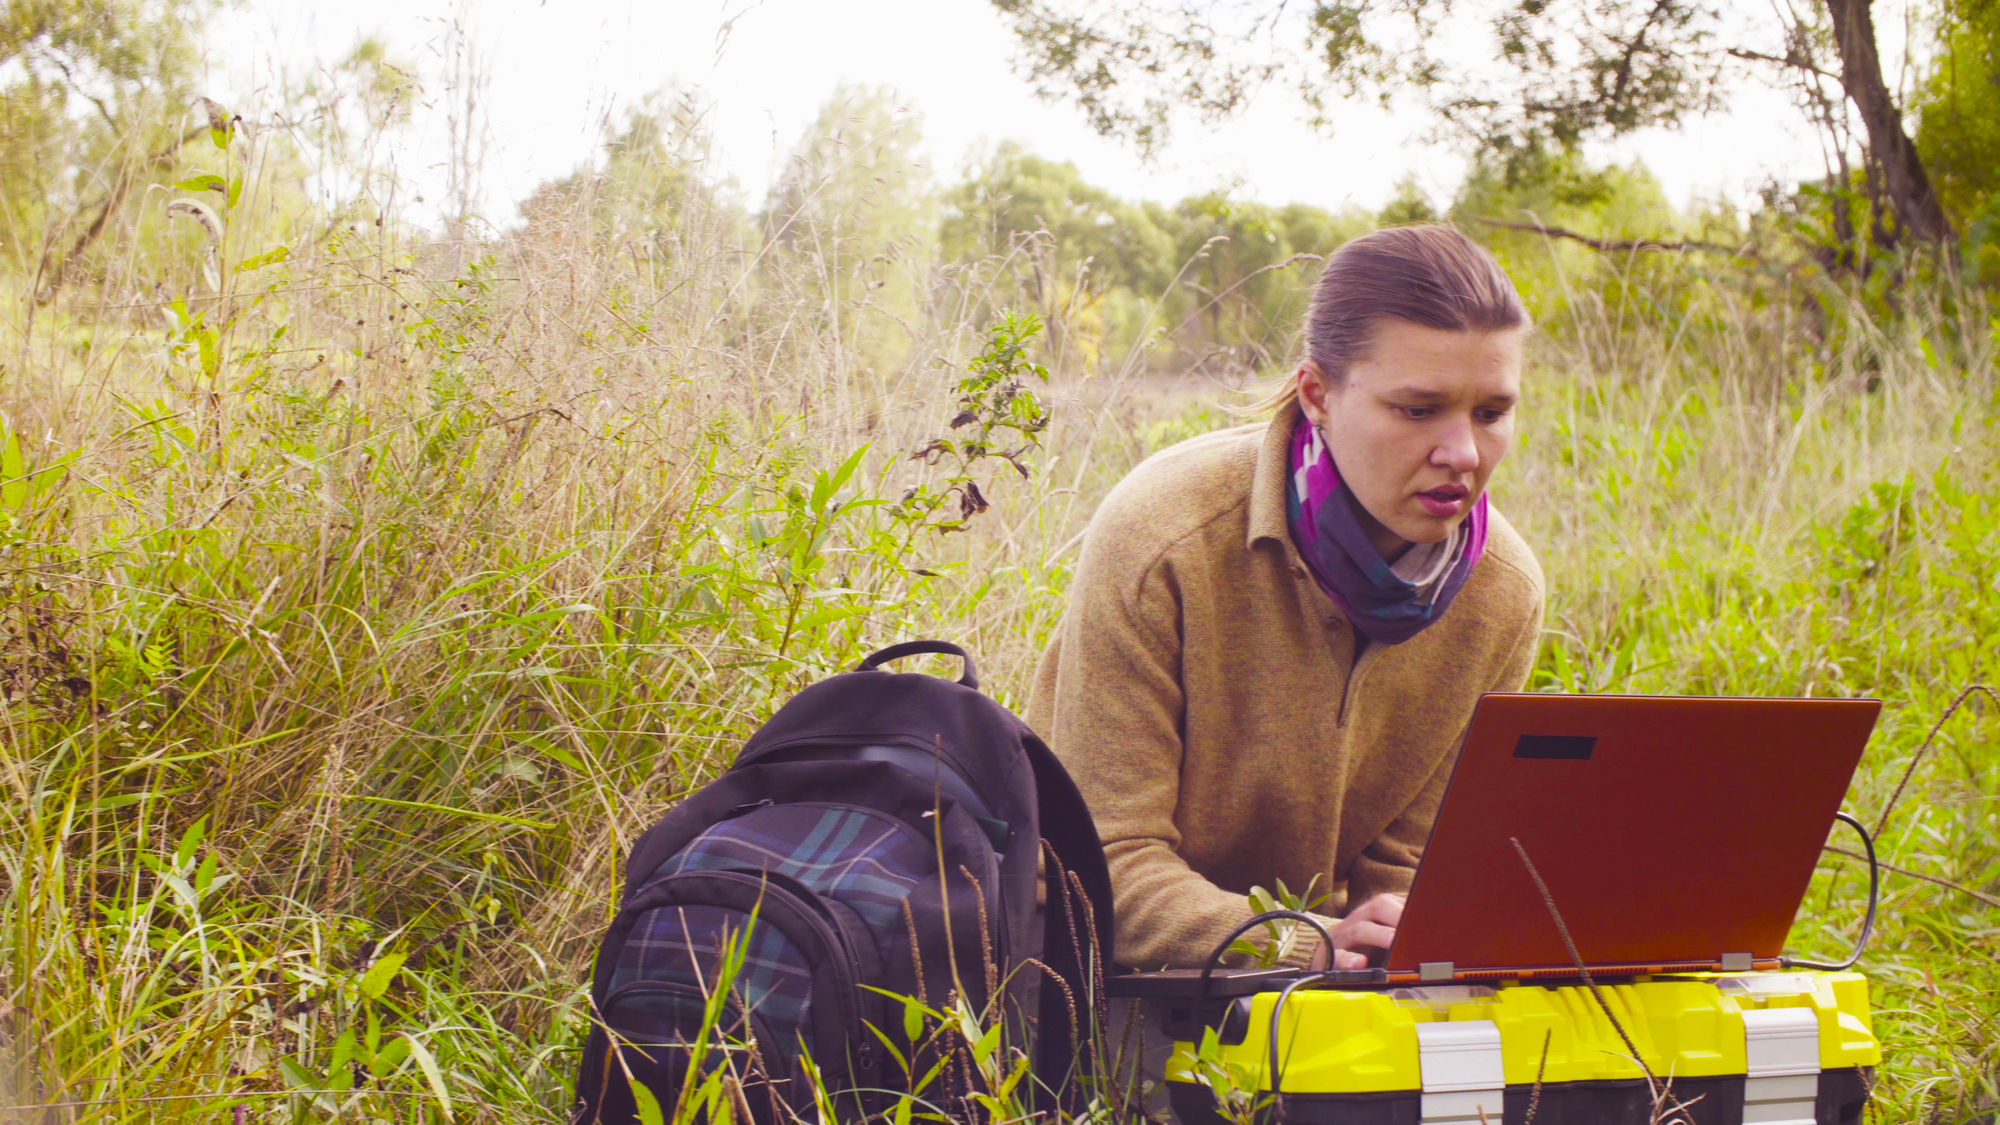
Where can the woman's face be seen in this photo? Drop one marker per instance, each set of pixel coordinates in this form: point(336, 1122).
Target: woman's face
point(1419, 425)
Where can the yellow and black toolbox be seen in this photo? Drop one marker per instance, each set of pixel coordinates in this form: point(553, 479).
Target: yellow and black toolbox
point(1773, 1048)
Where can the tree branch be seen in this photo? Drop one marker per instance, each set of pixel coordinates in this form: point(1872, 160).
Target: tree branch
point(1632, 51)
point(119, 191)
point(1623, 245)
point(1990, 900)
point(1789, 58)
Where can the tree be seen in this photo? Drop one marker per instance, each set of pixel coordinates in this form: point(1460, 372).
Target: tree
point(1552, 75)
point(651, 187)
point(855, 195)
point(1958, 130)
point(94, 97)
point(1014, 193)
point(847, 227)
point(1222, 276)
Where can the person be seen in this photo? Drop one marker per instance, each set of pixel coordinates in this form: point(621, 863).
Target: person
point(1276, 633)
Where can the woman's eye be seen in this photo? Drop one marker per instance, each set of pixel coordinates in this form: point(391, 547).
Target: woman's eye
point(1492, 414)
point(1416, 412)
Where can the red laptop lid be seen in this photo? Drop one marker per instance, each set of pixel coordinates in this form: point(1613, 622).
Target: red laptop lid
point(1668, 830)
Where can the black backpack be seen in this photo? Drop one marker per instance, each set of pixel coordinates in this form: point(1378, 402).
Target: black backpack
point(883, 833)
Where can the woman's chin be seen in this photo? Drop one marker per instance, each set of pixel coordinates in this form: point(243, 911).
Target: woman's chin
point(1427, 529)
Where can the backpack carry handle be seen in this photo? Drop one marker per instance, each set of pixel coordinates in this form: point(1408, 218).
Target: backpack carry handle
point(875, 660)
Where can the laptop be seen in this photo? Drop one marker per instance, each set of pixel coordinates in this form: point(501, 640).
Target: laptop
point(1674, 834)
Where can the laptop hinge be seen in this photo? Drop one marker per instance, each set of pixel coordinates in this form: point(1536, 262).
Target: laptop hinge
point(1431, 971)
point(1738, 962)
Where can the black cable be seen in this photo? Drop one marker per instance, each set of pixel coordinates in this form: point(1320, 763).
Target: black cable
point(1867, 920)
point(1274, 1067)
point(1222, 949)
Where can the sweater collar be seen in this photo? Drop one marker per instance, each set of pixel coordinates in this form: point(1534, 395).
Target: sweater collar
point(1267, 485)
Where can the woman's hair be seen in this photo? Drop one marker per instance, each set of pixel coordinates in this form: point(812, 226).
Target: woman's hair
point(1428, 275)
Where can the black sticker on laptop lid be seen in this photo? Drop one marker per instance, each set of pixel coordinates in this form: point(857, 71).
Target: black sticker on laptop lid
point(1566, 747)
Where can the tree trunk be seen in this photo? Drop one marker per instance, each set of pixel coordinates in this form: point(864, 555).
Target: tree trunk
point(1910, 191)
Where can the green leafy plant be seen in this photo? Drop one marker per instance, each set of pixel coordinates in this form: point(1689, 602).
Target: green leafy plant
point(997, 407)
point(1234, 1088)
point(1282, 935)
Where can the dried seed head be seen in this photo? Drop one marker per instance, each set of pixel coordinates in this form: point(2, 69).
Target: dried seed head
point(201, 213)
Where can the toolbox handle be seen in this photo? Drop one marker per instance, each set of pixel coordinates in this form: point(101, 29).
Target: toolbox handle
point(1222, 947)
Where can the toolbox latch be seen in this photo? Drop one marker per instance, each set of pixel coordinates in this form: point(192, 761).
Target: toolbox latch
point(1464, 1078)
point(1781, 1047)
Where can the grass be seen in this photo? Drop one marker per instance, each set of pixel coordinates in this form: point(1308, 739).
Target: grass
point(363, 607)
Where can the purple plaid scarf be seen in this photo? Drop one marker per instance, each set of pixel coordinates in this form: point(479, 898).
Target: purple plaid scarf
point(1389, 603)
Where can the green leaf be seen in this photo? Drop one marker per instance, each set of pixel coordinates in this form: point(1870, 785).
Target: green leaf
point(647, 1104)
point(559, 753)
point(428, 1064)
point(13, 471)
point(204, 876)
point(377, 979)
point(846, 470)
point(1014, 1076)
point(472, 814)
point(211, 350)
point(902, 1063)
point(207, 181)
point(299, 1077)
point(913, 1019)
point(389, 1058)
point(340, 1075)
point(190, 840)
point(269, 257)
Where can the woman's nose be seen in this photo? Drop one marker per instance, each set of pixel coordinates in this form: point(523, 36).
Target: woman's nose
point(1456, 450)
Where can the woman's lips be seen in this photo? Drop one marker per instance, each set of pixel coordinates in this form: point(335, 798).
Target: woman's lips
point(1444, 503)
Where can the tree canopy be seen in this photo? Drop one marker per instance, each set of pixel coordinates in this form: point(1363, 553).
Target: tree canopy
point(1518, 78)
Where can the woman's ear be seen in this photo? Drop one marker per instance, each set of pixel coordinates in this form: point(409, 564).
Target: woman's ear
point(1313, 392)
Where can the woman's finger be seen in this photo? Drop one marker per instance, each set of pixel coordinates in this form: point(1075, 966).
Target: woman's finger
point(1348, 959)
point(1357, 933)
point(1386, 909)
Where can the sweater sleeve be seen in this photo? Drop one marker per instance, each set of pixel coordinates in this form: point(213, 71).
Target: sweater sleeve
point(1110, 700)
point(1388, 865)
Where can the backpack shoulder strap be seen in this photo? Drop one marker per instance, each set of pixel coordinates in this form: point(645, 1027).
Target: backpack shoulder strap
point(1071, 833)
point(1077, 929)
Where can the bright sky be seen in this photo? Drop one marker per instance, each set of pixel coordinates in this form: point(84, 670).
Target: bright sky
point(555, 71)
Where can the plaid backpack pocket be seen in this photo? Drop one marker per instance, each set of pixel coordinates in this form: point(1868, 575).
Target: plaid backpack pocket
point(859, 857)
point(783, 908)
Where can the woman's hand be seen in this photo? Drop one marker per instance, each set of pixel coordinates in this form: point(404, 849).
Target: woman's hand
point(1366, 929)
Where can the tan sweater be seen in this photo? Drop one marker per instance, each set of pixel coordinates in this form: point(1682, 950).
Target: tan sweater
point(1203, 692)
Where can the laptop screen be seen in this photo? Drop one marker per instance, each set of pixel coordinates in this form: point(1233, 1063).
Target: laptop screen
point(1669, 830)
